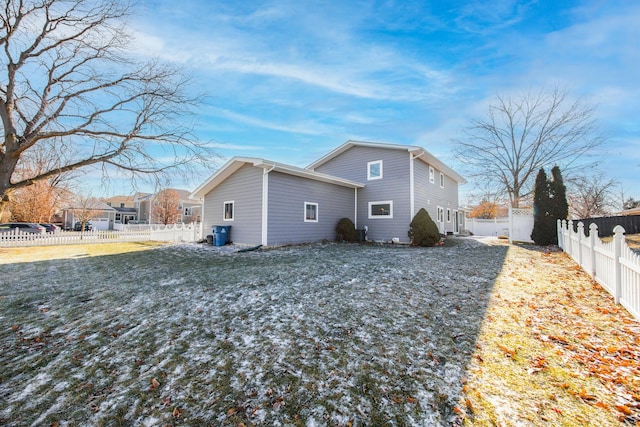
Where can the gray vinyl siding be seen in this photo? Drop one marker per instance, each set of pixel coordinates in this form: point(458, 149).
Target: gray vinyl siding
point(393, 186)
point(244, 187)
point(430, 195)
point(287, 195)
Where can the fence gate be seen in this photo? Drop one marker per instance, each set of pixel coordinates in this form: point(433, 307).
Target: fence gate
point(520, 225)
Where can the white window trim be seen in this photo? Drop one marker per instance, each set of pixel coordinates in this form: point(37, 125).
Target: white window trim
point(440, 215)
point(305, 212)
point(383, 202)
point(369, 164)
point(441, 180)
point(448, 214)
point(233, 210)
point(432, 174)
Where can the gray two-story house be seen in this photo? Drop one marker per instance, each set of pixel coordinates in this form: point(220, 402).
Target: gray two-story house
point(378, 186)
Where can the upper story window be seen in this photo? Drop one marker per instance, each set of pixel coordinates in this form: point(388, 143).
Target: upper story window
point(229, 211)
point(441, 180)
point(432, 175)
point(188, 211)
point(374, 170)
point(310, 212)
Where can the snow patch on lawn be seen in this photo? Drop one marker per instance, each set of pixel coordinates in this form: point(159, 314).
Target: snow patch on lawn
point(194, 334)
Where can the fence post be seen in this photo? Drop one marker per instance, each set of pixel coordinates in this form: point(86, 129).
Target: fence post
point(618, 239)
point(570, 238)
point(593, 233)
point(559, 232)
point(580, 237)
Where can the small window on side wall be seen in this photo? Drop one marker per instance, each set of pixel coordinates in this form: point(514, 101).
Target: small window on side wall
point(432, 175)
point(381, 209)
point(310, 212)
point(229, 211)
point(441, 180)
point(374, 170)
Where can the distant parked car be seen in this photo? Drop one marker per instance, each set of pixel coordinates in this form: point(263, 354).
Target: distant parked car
point(78, 226)
point(51, 228)
point(25, 227)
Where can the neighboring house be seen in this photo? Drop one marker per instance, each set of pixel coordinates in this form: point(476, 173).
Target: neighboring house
point(378, 186)
point(628, 212)
point(99, 214)
point(189, 210)
point(125, 208)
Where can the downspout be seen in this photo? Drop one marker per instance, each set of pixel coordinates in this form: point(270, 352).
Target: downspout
point(355, 210)
point(202, 235)
point(265, 203)
point(412, 197)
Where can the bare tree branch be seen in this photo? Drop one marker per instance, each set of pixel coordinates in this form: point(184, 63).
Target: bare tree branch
point(523, 134)
point(71, 83)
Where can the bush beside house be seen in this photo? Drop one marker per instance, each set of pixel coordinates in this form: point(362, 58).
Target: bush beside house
point(346, 231)
point(422, 230)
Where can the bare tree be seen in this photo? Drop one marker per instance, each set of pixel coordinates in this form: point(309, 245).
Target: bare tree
point(592, 195)
point(166, 207)
point(523, 134)
point(86, 208)
point(72, 89)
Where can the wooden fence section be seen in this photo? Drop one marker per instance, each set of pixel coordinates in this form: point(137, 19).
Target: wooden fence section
point(165, 233)
point(613, 265)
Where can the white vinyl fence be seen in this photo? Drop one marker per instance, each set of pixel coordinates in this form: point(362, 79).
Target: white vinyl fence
point(613, 265)
point(166, 233)
point(488, 227)
point(517, 226)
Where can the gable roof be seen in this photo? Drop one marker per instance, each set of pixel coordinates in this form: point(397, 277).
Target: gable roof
point(236, 163)
point(418, 152)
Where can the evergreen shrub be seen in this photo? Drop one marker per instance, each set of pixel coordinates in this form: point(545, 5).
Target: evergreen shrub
point(346, 231)
point(423, 231)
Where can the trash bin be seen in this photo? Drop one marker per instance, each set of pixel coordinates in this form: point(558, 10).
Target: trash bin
point(209, 239)
point(221, 234)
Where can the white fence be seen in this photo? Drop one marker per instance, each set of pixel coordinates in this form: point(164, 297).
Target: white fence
point(166, 233)
point(520, 225)
point(488, 227)
point(517, 226)
point(613, 265)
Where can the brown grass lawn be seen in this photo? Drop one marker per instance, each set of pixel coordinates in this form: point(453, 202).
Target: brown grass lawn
point(43, 253)
point(554, 350)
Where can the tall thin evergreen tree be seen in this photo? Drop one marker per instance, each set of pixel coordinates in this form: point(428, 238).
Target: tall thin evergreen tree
point(558, 193)
point(543, 227)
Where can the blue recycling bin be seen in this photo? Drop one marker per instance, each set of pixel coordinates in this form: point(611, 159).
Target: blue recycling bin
point(221, 234)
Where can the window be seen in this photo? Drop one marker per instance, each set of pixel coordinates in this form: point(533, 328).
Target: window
point(440, 214)
point(228, 211)
point(188, 211)
point(431, 175)
point(441, 180)
point(448, 215)
point(381, 209)
point(374, 170)
point(122, 205)
point(310, 212)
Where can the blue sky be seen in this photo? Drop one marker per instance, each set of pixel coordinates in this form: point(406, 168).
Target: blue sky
point(291, 80)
